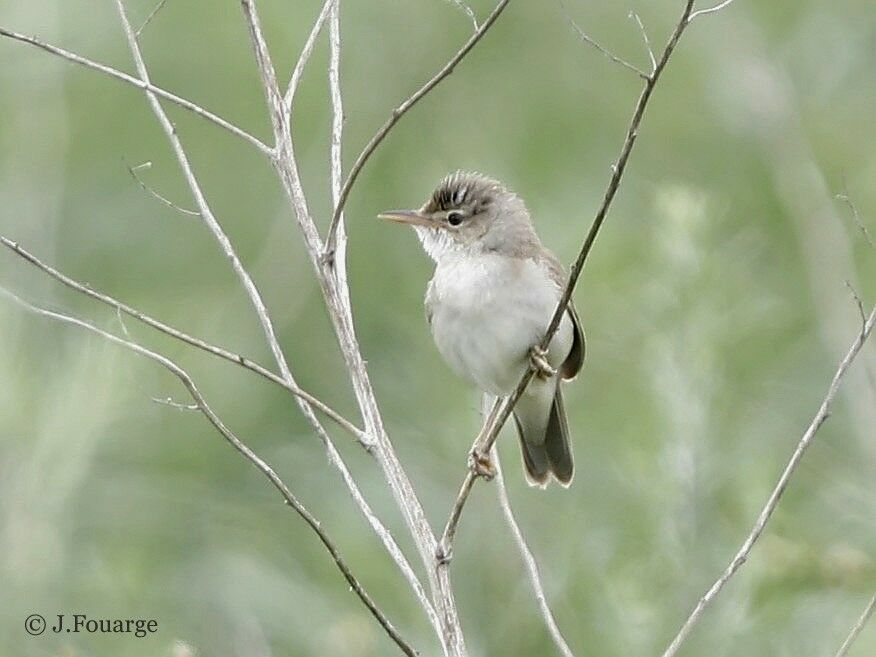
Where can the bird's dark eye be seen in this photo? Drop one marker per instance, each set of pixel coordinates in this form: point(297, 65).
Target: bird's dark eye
point(454, 218)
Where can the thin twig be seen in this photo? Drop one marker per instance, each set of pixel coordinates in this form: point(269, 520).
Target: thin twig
point(303, 58)
point(856, 217)
point(645, 38)
point(155, 194)
point(745, 549)
point(149, 18)
point(856, 630)
point(709, 10)
point(140, 84)
point(586, 38)
point(399, 112)
point(221, 352)
point(243, 449)
point(529, 560)
point(502, 409)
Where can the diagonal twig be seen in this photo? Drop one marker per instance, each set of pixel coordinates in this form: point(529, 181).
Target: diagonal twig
point(399, 112)
point(145, 85)
point(152, 14)
point(303, 58)
point(502, 409)
point(263, 467)
point(160, 197)
point(586, 38)
point(858, 627)
point(529, 560)
point(645, 38)
point(741, 555)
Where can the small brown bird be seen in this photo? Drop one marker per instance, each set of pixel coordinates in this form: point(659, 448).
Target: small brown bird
point(489, 303)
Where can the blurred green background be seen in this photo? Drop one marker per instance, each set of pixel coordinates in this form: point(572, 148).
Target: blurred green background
point(714, 302)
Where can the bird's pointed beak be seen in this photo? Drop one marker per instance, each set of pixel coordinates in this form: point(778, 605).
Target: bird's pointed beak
point(411, 217)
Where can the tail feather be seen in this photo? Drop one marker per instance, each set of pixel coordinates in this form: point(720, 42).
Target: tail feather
point(557, 443)
point(535, 459)
point(544, 442)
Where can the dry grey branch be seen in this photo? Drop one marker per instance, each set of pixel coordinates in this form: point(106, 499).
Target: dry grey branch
point(140, 84)
point(586, 38)
point(242, 448)
point(175, 333)
point(336, 296)
point(858, 627)
point(396, 114)
point(502, 409)
point(529, 560)
point(745, 549)
point(306, 51)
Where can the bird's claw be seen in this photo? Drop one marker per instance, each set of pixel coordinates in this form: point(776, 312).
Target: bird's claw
point(481, 465)
point(543, 368)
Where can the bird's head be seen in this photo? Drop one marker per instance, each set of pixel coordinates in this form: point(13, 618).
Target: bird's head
point(469, 212)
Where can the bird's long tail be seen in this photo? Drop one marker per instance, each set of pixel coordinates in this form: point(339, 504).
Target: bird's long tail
point(544, 437)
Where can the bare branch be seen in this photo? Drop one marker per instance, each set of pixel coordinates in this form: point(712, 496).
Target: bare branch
point(586, 38)
point(140, 84)
point(243, 449)
point(149, 18)
point(745, 549)
point(152, 192)
point(399, 112)
point(266, 66)
point(529, 560)
point(306, 51)
point(856, 630)
point(336, 294)
point(334, 76)
point(647, 41)
point(502, 409)
point(225, 354)
point(709, 10)
point(337, 301)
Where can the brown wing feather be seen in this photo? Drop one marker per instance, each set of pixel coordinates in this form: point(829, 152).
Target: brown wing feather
point(572, 365)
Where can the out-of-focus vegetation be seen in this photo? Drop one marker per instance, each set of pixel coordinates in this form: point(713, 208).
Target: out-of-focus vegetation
point(714, 303)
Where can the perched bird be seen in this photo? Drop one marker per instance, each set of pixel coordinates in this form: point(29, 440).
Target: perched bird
point(489, 303)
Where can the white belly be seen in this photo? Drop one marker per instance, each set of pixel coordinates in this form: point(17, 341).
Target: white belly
point(486, 313)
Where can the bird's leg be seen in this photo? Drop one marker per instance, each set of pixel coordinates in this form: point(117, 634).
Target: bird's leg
point(538, 358)
point(478, 458)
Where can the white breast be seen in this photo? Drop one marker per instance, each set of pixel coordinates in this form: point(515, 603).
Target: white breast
point(486, 313)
